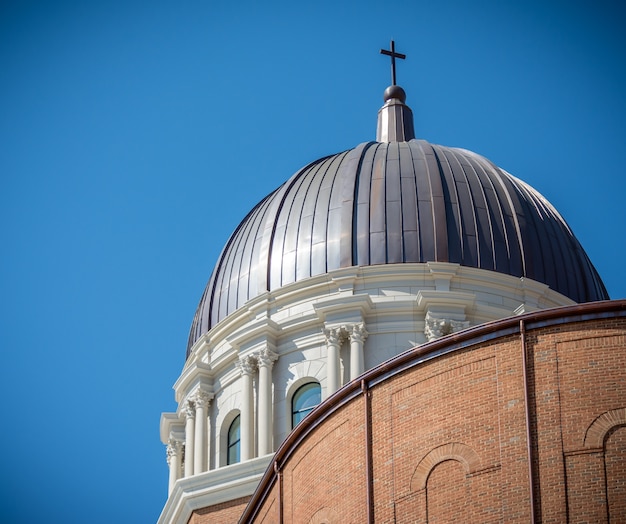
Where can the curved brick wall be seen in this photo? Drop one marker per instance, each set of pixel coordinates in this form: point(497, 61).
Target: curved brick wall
point(441, 432)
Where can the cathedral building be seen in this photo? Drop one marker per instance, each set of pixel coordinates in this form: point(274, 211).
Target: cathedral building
point(401, 332)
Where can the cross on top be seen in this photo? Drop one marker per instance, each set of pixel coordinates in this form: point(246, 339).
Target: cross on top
point(393, 56)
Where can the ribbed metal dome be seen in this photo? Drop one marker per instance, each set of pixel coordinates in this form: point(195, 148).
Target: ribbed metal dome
point(396, 202)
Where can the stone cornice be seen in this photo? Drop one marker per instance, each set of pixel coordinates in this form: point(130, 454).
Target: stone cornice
point(330, 285)
point(443, 273)
point(196, 373)
point(343, 308)
point(264, 328)
point(446, 299)
point(213, 487)
point(171, 424)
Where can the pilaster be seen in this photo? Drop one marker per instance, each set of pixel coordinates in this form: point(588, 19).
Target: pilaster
point(334, 338)
point(201, 400)
point(357, 334)
point(174, 456)
point(189, 411)
point(247, 365)
point(265, 358)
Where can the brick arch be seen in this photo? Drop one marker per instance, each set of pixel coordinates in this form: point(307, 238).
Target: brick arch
point(452, 451)
point(597, 430)
point(325, 516)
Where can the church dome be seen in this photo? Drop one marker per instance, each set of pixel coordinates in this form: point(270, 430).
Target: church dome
point(390, 203)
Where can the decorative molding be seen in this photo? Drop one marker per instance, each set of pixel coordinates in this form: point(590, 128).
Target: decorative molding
point(453, 451)
point(174, 448)
point(172, 426)
point(201, 398)
point(534, 292)
point(421, 276)
point(334, 336)
point(353, 332)
point(194, 373)
point(458, 325)
point(435, 328)
point(458, 301)
point(301, 373)
point(263, 327)
point(212, 487)
point(443, 273)
point(247, 364)
point(342, 308)
point(189, 409)
point(597, 430)
point(356, 332)
point(266, 357)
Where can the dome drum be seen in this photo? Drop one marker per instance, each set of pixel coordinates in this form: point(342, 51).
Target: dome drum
point(398, 202)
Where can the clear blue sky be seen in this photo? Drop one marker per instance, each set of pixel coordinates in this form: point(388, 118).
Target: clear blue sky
point(133, 139)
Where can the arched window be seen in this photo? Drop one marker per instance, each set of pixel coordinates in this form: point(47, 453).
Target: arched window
point(234, 442)
point(304, 400)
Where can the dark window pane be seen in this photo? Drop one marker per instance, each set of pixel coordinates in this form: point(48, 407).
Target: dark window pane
point(234, 440)
point(304, 400)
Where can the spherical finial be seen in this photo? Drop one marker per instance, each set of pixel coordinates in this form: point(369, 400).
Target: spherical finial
point(394, 92)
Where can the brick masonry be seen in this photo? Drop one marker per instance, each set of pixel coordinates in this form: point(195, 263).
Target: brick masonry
point(449, 438)
point(224, 513)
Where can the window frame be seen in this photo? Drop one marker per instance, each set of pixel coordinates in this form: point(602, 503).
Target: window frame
point(303, 412)
point(233, 444)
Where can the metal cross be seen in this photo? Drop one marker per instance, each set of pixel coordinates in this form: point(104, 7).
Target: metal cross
point(393, 56)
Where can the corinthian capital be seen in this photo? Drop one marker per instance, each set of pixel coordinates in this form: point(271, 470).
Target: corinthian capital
point(433, 327)
point(358, 333)
point(189, 409)
point(266, 357)
point(438, 327)
point(458, 325)
point(247, 365)
point(333, 336)
point(174, 448)
point(202, 398)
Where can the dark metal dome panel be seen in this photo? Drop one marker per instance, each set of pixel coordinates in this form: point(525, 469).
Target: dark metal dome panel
point(397, 202)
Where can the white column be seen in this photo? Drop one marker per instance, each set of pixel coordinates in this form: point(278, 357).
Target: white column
point(358, 334)
point(201, 400)
point(208, 441)
point(190, 414)
point(174, 452)
point(247, 365)
point(333, 344)
point(266, 360)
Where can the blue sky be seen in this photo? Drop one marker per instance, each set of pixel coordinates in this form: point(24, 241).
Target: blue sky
point(135, 136)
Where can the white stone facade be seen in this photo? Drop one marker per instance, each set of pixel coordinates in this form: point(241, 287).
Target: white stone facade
point(326, 329)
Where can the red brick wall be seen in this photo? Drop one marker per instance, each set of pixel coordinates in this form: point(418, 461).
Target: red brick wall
point(224, 513)
point(447, 417)
point(319, 482)
point(270, 512)
point(615, 463)
point(449, 437)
